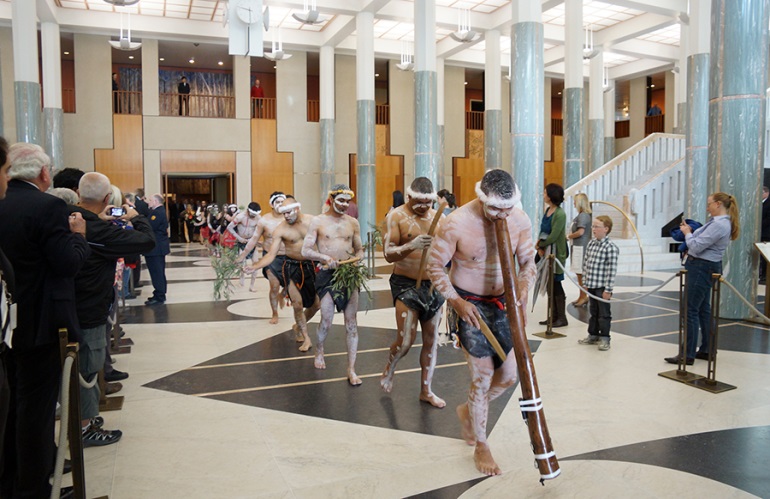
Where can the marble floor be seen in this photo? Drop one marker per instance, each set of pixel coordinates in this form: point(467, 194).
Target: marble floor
point(220, 404)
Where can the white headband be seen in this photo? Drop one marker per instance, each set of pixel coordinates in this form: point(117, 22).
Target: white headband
point(254, 212)
point(275, 197)
point(421, 196)
point(497, 201)
point(343, 196)
point(286, 208)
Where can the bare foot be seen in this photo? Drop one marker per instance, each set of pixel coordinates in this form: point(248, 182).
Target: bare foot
point(485, 463)
point(433, 400)
point(274, 319)
point(465, 422)
point(386, 381)
point(353, 379)
point(319, 362)
point(252, 289)
point(298, 336)
point(306, 345)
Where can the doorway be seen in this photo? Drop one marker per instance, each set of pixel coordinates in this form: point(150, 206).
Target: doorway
point(197, 187)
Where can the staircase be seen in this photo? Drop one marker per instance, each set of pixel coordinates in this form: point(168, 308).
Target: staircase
point(648, 183)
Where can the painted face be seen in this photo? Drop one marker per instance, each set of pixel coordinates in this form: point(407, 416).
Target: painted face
point(340, 204)
point(252, 213)
point(598, 229)
point(291, 216)
point(277, 204)
point(420, 206)
point(4, 178)
point(495, 213)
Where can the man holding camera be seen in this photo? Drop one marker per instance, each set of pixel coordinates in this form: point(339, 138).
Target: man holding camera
point(112, 232)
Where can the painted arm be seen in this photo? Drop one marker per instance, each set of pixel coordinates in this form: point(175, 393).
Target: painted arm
point(358, 246)
point(252, 243)
point(395, 253)
point(231, 227)
point(270, 256)
point(309, 243)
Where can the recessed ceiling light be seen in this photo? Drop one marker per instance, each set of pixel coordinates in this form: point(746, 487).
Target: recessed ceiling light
point(162, 59)
point(376, 75)
point(191, 61)
point(275, 67)
point(652, 86)
point(131, 57)
point(559, 93)
point(465, 83)
point(221, 63)
point(66, 53)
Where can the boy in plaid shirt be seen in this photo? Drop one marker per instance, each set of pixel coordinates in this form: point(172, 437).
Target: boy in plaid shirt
point(599, 269)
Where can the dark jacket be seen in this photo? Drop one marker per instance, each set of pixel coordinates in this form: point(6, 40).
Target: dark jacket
point(142, 207)
point(108, 242)
point(159, 224)
point(765, 235)
point(45, 256)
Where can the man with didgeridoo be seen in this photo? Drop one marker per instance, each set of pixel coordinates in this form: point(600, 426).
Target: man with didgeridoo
point(475, 292)
point(334, 237)
point(296, 273)
point(406, 238)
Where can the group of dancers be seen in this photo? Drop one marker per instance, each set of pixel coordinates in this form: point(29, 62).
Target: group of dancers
point(301, 253)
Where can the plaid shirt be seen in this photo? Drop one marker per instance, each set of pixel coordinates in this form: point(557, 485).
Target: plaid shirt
point(601, 264)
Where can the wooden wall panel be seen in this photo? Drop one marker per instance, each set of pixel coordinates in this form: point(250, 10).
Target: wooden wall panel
point(554, 170)
point(465, 173)
point(197, 161)
point(270, 170)
point(124, 163)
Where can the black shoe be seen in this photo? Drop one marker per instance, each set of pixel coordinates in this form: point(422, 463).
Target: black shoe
point(155, 301)
point(115, 375)
point(675, 360)
point(97, 437)
point(560, 323)
point(129, 297)
point(702, 355)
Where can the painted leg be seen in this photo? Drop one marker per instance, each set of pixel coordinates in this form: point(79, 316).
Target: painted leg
point(428, 360)
point(482, 371)
point(406, 330)
point(351, 330)
point(505, 377)
point(327, 314)
point(299, 317)
point(275, 288)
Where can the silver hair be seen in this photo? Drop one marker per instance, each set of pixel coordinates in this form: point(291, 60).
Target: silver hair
point(27, 160)
point(158, 199)
point(94, 187)
point(68, 195)
point(117, 197)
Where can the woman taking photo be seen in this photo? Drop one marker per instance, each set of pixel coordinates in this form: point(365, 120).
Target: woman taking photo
point(553, 237)
point(705, 249)
point(580, 235)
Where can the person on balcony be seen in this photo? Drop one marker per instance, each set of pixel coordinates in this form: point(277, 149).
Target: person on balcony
point(115, 98)
point(257, 94)
point(654, 111)
point(183, 89)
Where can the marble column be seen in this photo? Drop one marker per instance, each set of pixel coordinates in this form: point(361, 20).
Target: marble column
point(697, 129)
point(326, 90)
point(365, 155)
point(681, 80)
point(527, 79)
point(738, 80)
point(573, 92)
point(596, 112)
point(440, 122)
point(493, 114)
point(426, 141)
point(52, 112)
point(26, 85)
point(609, 122)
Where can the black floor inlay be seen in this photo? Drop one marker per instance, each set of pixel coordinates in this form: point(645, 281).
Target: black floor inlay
point(275, 376)
point(738, 457)
point(452, 491)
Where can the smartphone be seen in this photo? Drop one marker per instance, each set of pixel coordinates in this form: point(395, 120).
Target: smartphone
point(117, 212)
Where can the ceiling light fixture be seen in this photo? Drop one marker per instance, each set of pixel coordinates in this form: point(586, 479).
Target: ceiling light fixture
point(162, 59)
point(192, 60)
point(122, 3)
point(310, 14)
point(66, 53)
point(124, 41)
point(407, 57)
point(464, 33)
point(277, 53)
point(589, 51)
point(221, 63)
point(131, 57)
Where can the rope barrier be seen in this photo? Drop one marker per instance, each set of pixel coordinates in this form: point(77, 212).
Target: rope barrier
point(614, 300)
point(759, 314)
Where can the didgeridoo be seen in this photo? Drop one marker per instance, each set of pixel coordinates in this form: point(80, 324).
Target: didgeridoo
point(424, 258)
point(530, 403)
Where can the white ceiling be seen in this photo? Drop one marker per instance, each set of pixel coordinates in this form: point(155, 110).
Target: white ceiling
point(639, 37)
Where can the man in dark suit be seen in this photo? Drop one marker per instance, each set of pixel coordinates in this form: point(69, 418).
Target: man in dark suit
point(156, 259)
point(765, 234)
point(46, 246)
point(141, 204)
point(184, 96)
point(7, 291)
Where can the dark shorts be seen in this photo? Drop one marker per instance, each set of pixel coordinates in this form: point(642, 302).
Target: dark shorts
point(275, 268)
point(422, 301)
point(302, 274)
point(472, 339)
point(323, 285)
point(241, 247)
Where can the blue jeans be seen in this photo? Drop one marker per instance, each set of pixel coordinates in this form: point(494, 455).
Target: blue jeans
point(699, 283)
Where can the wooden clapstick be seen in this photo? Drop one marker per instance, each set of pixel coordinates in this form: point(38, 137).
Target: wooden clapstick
point(491, 338)
point(424, 258)
point(531, 404)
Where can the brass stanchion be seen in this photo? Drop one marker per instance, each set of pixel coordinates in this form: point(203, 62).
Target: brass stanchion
point(549, 333)
point(75, 434)
point(710, 383)
point(681, 373)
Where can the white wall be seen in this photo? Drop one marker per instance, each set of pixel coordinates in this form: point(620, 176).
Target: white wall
point(401, 92)
point(345, 128)
point(454, 119)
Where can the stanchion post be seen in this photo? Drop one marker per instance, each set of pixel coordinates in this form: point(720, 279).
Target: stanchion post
point(681, 374)
point(75, 434)
point(549, 334)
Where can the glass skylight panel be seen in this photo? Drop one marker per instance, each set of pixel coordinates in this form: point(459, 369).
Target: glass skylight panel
point(669, 35)
point(100, 6)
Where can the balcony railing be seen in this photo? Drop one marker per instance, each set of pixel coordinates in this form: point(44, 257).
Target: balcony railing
point(126, 102)
point(202, 106)
point(474, 120)
point(557, 126)
point(654, 124)
point(382, 114)
point(68, 100)
point(313, 111)
point(263, 108)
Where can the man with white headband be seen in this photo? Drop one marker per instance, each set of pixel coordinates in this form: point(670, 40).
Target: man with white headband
point(405, 240)
point(264, 231)
point(243, 226)
point(474, 291)
point(296, 273)
point(333, 237)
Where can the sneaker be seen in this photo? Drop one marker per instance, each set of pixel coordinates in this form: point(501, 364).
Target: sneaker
point(95, 437)
point(96, 422)
point(115, 375)
point(589, 340)
point(604, 345)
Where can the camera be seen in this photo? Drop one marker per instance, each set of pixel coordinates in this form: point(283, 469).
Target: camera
point(117, 212)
